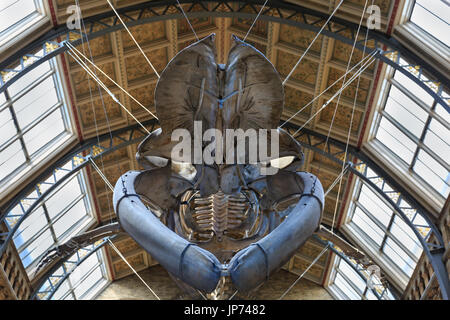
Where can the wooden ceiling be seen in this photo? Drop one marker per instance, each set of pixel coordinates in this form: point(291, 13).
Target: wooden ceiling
point(117, 56)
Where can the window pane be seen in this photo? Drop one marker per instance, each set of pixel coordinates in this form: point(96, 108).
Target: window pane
point(437, 139)
point(414, 88)
point(34, 223)
point(64, 197)
point(36, 102)
point(70, 219)
point(352, 275)
point(433, 173)
point(375, 206)
point(406, 112)
point(7, 127)
point(13, 11)
point(88, 283)
point(37, 248)
point(368, 226)
point(399, 257)
point(346, 288)
point(395, 140)
point(432, 16)
point(62, 291)
point(11, 158)
point(29, 78)
point(401, 231)
point(84, 268)
point(44, 132)
point(440, 110)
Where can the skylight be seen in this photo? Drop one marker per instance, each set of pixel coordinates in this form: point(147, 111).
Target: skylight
point(415, 129)
point(432, 17)
point(33, 121)
point(375, 225)
point(347, 284)
point(63, 214)
point(17, 16)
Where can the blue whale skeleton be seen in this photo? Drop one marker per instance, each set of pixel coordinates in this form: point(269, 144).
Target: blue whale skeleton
point(222, 227)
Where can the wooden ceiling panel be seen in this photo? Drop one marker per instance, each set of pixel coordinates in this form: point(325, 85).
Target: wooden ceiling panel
point(137, 67)
point(342, 118)
point(306, 71)
point(93, 112)
point(84, 84)
point(296, 100)
point(300, 38)
point(143, 34)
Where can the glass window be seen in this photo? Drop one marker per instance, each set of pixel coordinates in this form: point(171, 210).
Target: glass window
point(416, 130)
point(84, 282)
point(351, 285)
point(33, 120)
point(432, 16)
point(18, 17)
point(56, 219)
point(13, 12)
point(381, 228)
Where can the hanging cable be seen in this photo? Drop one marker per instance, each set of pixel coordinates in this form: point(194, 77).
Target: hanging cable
point(350, 126)
point(137, 44)
point(337, 93)
point(83, 29)
point(110, 186)
point(337, 105)
point(232, 296)
point(109, 78)
point(110, 242)
point(339, 178)
point(304, 272)
point(330, 86)
point(256, 19)
point(129, 265)
point(75, 56)
point(187, 19)
point(310, 45)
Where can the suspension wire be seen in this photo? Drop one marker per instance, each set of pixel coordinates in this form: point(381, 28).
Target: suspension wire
point(350, 126)
point(135, 272)
point(330, 86)
point(310, 45)
point(203, 296)
point(339, 178)
point(110, 186)
point(232, 296)
point(109, 240)
point(137, 44)
point(254, 21)
point(337, 106)
point(187, 19)
point(74, 55)
point(83, 32)
point(304, 272)
point(109, 78)
point(367, 64)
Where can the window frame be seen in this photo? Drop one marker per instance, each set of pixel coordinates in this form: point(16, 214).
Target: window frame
point(93, 291)
point(86, 222)
point(22, 29)
point(398, 277)
point(414, 183)
point(57, 145)
point(337, 293)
